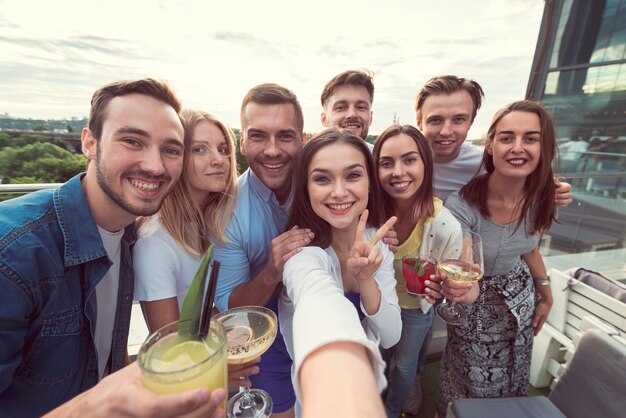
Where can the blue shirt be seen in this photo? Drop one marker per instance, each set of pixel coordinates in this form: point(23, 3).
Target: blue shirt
point(51, 259)
point(257, 219)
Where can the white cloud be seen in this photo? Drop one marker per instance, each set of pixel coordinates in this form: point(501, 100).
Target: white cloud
point(55, 54)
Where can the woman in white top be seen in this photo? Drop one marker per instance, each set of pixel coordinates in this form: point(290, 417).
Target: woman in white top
point(345, 273)
point(172, 242)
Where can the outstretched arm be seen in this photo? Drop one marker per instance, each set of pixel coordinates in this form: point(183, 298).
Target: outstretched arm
point(337, 381)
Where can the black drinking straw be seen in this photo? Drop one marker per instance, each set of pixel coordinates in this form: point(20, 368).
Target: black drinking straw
point(205, 318)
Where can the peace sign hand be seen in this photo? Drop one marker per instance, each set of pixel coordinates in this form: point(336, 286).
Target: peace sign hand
point(365, 256)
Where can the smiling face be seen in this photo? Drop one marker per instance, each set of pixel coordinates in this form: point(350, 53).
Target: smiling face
point(516, 145)
point(338, 185)
point(445, 121)
point(208, 167)
point(400, 168)
point(350, 108)
point(271, 143)
point(137, 159)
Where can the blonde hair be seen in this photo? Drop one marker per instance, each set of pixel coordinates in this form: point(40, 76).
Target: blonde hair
point(193, 226)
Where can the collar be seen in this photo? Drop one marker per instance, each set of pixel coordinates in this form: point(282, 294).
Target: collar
point(81, 238)
point(265, 192)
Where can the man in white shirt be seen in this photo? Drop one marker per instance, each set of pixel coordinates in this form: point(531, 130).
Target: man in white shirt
point(66, 272)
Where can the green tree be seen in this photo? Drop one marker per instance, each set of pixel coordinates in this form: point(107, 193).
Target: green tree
point(43, 162)
point(242, 163)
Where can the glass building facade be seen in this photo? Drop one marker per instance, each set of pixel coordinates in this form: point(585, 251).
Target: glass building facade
point(579, 73)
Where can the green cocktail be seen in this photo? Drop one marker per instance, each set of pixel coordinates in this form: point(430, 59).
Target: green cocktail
point(172, 364)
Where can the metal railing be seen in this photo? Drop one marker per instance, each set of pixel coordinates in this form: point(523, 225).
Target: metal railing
point(26, 188)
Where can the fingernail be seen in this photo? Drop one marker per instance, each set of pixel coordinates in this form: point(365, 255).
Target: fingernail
point(426, 281)
point(427, 290)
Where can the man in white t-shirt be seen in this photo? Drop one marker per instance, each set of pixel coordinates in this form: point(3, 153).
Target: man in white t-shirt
point(66, 274)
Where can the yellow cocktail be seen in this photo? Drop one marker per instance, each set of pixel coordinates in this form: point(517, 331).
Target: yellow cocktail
point(171, 364)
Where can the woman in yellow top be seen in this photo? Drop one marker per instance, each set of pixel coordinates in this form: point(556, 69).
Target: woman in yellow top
point(425, 228)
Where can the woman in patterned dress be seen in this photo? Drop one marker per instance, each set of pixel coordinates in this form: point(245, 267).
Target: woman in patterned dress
point(509, 206)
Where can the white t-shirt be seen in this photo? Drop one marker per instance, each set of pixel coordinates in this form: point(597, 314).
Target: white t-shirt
point(314, 311)
point(106, 299)
point(162, 268)
point(451, 176)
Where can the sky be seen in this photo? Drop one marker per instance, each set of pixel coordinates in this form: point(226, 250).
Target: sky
point(55, 54)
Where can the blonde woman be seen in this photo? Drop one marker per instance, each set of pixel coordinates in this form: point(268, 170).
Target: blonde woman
point(172, 242)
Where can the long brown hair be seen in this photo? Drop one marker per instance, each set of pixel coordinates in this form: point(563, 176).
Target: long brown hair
point(422, 200)
point(538, 205)
point(302, 214)
point(191, 225)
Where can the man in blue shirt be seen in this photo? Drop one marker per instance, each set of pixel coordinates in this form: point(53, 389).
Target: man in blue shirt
point(66, 276)
point(258, 247)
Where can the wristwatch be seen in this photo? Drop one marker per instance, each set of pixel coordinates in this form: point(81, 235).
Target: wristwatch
point(542, 281)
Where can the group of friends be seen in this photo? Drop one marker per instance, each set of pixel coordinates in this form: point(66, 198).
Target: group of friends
point(314, 230)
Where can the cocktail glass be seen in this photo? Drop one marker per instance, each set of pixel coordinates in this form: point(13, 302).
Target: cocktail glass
point(416, 270)
point(173, 364)
point(250, 331)
point(468, 267)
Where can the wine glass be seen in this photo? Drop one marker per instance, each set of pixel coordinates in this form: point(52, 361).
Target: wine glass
point(468, 267)
point(250, 331)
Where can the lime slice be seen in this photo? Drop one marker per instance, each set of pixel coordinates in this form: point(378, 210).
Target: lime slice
point(239, 335)
point(194, 350)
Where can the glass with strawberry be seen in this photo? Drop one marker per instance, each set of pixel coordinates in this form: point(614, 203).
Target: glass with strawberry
point(415, 271)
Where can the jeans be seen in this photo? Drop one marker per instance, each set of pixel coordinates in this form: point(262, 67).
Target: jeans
point(406, 354)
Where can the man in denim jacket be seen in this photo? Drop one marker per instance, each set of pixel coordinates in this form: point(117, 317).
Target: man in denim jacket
point(66, 276)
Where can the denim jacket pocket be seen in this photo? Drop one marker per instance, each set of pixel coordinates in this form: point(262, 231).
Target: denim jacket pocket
point(58, 352)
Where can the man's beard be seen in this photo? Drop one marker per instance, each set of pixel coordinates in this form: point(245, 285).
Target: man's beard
point(106, 182)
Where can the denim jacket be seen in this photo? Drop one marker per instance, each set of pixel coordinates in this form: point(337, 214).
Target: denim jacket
point(51, 259)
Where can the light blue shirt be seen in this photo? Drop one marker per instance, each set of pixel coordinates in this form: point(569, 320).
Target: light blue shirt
point(258, 218)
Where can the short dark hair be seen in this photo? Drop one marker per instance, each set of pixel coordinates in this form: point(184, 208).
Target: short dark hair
point(422, 201)
point(349, 78)
point(158, 89)
point(302, 214)
point(272, 94)
point(448, 84)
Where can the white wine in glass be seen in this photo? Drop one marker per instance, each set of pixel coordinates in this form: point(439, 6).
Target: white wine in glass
point(468, 268)
point(250, 331)
point(460, 271)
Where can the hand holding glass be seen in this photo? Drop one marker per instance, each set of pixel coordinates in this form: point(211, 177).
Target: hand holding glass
point(466, 269)
point(415, 271)
point(171, 364)
point(250, 330)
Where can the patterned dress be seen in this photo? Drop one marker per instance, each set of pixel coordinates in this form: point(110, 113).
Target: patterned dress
point(489, 356)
